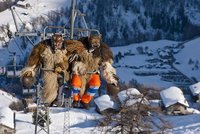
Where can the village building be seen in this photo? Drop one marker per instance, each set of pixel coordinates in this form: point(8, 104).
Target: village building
point(174, 101)
point(131, 96)
point(195, 90)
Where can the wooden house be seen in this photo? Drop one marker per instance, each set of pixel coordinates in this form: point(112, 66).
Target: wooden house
point(174, 101)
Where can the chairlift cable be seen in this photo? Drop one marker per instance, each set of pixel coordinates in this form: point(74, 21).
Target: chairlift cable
point(19, 17)
point(24, 24)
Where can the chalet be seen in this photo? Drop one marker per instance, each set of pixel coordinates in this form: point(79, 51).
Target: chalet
point(195, 90)
point(174, 101)
point(132, 99)
point(7, 125)
point(131, 96)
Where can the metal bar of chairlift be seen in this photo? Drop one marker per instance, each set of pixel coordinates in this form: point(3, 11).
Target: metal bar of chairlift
point(14, 18)
point(72, 19)
point(64, 33)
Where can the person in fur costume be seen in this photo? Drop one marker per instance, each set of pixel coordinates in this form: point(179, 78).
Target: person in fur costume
point(88, 55)
point(48, 56)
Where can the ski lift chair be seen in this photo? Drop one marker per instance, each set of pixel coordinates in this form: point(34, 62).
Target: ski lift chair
point(29, 91)
point(13, 70)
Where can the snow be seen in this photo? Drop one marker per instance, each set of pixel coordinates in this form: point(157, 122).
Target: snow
point(28, 27)
point(86, 121)
point(195, 89)
point(172, 96)
point(81, 121)
point(6, 98)
point(104, 102)
point(133, 94)
point(190, 51)
point(7, 117)
point(138, 61)
point(38, 8)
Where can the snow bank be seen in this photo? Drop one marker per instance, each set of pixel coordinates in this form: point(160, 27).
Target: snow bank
point(7, 117)
point(6, 98)
point(172, 96)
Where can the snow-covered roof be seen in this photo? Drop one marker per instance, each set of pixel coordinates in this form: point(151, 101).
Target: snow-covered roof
point(173, 95)
point(130, 96)
point(195, 89)
point(104, 102)
point(7, 117)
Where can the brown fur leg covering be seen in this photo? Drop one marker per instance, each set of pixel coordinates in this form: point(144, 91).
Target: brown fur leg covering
point(50, 87)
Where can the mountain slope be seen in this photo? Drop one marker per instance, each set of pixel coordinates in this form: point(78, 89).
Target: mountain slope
point(160, 63)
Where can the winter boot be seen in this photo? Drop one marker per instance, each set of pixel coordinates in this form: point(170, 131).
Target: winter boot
point(75, 104)
point(85, 105)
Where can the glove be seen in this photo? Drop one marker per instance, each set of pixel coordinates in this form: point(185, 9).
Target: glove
point(27, 81)
point(58, 70)
point(28, 73)
point(82, 71)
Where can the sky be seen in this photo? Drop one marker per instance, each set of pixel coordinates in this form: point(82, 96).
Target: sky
point(85, 121)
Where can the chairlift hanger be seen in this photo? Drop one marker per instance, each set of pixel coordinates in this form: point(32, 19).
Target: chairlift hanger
point(68, 32)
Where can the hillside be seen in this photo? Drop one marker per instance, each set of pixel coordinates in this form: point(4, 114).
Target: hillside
point(160, 63)
point(141, 20)
point(126, 22)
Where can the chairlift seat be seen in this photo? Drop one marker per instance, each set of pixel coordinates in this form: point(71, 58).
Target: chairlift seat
point(14, 71)
point(30, 91)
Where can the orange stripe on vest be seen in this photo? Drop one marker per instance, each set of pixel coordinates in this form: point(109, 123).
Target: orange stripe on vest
point(95, 80)
point(76, 81)
point(86, 98)
point(76, 97)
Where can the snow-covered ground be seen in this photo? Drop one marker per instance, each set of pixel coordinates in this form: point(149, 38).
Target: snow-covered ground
point(86, 121)
point(6, 98)
point(81, 121)
point(128, 65)
point(37, 8)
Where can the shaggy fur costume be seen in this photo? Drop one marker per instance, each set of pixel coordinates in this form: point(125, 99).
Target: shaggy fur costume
point(44, 56)
point(85, 62)
point(106, 59)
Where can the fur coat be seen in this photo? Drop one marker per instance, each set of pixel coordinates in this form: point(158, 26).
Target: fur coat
point(84, 63)
point(43, 56)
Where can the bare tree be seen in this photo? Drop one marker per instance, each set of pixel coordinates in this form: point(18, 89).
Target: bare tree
point(139, 117)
